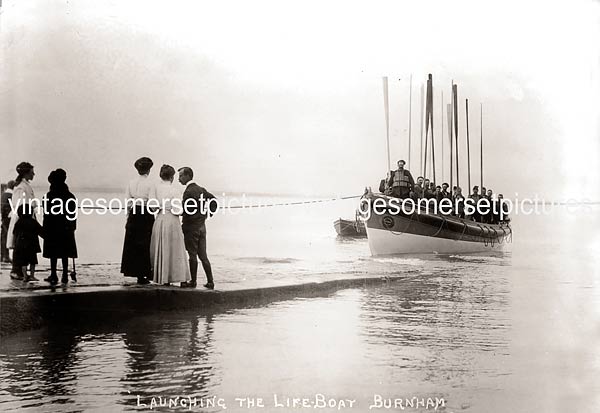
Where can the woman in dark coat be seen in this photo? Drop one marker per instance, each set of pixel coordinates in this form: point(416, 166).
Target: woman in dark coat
point(135, 261)
point(59, 225)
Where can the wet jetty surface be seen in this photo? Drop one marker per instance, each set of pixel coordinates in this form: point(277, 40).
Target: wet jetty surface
point(101, 290)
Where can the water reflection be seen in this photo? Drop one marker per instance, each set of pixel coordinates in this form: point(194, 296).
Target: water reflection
point(41, 368)
point(169, 358)
point(87, 367)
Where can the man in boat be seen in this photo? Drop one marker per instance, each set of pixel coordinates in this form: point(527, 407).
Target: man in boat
point(438, 194)
point(445, 192)
point(489, 217)
point(401, 181)
point(475, 197)
point(384, 188)
point(431, 190)
point(427, 193)
point(501, 210)
point(417, 191)
point(459, 202)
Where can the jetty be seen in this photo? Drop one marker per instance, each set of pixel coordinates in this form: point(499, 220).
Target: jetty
point(31, 306)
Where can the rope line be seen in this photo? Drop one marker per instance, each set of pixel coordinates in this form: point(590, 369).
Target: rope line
point(312, 201)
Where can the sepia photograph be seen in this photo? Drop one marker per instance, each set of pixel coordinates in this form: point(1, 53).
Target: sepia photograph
point(300, 206)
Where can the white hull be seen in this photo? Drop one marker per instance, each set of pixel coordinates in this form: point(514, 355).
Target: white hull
point(384, 242)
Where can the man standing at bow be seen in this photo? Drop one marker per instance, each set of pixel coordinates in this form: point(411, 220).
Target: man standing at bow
point(401, 181)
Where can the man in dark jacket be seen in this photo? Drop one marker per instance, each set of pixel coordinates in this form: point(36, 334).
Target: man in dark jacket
point(198, 204)
point(5, 201)
point(401, 181)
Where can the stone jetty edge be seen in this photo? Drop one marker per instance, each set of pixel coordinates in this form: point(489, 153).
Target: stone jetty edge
point(28, 310)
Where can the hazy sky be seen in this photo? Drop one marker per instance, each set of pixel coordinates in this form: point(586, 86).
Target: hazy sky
point(278, 96)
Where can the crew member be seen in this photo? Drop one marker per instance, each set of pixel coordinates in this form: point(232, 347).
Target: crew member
point(401, 181)
point(475, 197)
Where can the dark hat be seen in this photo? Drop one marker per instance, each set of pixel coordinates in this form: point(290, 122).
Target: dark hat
point(24, 167)
point(58, 176)
point(143, 165)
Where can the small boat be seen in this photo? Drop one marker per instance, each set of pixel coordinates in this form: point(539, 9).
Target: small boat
point(422, 232)
point(348, 228)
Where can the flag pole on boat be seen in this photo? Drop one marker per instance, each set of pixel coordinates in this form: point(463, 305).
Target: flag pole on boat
point(468, 148)
point(409, 118)
point(387, 121)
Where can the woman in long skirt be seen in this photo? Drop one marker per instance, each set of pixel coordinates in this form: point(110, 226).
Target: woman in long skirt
point(167, 249)
point(135, 261)
point(22, 194)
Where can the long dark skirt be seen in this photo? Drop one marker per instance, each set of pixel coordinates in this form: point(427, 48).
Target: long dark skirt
point(136, 248)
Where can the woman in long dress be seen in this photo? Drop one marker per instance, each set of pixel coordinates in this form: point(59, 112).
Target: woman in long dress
point(167, 249)
point(22, 194)
point(135, 261)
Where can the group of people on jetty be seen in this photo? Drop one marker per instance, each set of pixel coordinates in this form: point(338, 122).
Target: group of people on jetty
point(162, 243)
point(401, 184)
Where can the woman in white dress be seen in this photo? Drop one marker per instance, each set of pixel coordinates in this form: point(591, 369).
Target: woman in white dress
point(167, 250)
point(22, 194)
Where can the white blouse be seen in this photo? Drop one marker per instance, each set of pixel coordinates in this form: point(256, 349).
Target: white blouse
point(166, 192)
point(141, 187)
point(22, 193)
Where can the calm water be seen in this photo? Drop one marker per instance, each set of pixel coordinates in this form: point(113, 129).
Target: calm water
point(517, 331)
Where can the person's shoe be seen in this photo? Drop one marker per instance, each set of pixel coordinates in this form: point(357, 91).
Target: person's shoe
point(64, 279)
point(167, 284)
point(188, 284)
point(143, 281)
point(210, 286)
point(73, 276)
point(16, 276)
point(51, 277)
point(30, 279)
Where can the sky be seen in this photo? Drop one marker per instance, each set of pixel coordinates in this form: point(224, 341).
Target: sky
point(286, 97)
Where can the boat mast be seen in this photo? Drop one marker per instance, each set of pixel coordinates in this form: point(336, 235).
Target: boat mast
point(481, 142)
point(468, 149)
point(442, 112)
point(428, 122)
point(387, 120)
point(455, 105)
point(409, 118)
point(449, 117)
point(422, 104)
point(430, 104)
point(426, 130)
